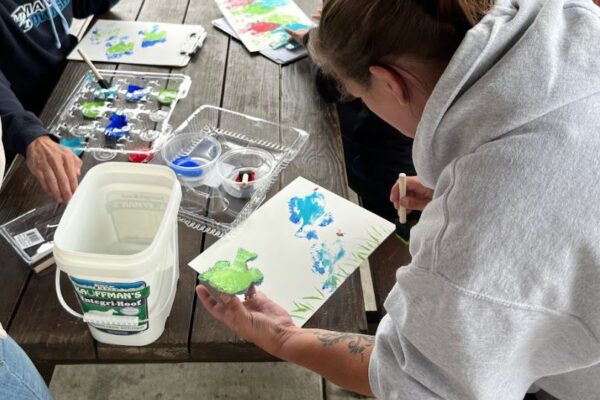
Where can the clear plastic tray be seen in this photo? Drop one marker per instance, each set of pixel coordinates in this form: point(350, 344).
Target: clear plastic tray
point(250, 154)
point(32, 234)
point(82, 122)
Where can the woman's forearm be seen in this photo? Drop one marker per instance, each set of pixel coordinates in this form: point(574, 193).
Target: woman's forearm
point(342, 358)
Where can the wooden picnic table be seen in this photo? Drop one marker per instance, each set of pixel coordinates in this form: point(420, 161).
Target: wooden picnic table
point(226, 75)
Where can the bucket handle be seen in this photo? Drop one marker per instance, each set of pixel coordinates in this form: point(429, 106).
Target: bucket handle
point(74, 313)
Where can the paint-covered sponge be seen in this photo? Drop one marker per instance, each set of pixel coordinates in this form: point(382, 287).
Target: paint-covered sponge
point(136, 93)
point(233, 277)
point(117, 128)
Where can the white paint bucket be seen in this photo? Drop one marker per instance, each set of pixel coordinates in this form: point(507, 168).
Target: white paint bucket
point(117, 241)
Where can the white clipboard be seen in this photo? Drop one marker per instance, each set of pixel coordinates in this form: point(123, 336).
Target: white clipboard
point(280, 56)
point(141, 43)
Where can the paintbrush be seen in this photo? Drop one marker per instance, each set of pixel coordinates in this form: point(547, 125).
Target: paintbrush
point(402, 228)
point(101, 81)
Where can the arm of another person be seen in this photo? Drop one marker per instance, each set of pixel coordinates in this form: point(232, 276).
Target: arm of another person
point(56, 168)
point(342, 358)
point(85, 8)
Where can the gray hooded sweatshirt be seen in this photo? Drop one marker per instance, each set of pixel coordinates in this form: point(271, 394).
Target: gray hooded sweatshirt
point(503, 292)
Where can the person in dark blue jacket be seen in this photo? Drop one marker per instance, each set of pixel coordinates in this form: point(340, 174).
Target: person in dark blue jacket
point(34, 44)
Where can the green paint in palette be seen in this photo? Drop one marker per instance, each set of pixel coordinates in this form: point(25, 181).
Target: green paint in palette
point(166, 96)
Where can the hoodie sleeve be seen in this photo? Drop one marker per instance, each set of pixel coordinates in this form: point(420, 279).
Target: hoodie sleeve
point(20, 127)
point(85, 8)
point(440, 341)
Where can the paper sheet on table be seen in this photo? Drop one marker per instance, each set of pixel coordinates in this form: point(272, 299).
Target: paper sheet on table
point(143, 43)
point(261, 23)
point(307, 241)
point(280, 56)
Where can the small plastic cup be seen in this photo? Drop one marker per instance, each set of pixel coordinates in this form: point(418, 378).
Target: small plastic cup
point(191, 156)
point(244, 170)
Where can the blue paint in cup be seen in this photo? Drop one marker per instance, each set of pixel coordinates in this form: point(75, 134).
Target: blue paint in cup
point(187, 166)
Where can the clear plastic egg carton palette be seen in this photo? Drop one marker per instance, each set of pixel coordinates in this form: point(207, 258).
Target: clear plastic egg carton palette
point(131, 117)
point(226, 163)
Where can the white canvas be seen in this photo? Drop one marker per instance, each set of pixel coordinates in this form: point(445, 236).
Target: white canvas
point(262, 23)
point(304, 255)
point(143, 43)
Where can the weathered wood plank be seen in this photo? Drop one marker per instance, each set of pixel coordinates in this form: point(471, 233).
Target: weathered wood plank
point(251, 87)
point(15, 272)
point(173, 343)
point(385, 261)
point(39, 324)
point(321, 161)
point(44, 329)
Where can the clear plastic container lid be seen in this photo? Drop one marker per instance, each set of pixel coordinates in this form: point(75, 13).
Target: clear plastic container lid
point(32, 234)
point(130, 117)
point(253, 152)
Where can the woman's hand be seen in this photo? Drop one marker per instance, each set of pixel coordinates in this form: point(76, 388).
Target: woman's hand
point(258, 319)
point(417, 196)
point(55, 167)
point(299, 35)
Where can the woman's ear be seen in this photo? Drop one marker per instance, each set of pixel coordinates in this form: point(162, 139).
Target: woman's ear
point(392, 81)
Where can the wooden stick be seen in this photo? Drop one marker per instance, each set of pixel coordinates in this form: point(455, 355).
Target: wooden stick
point(101, 81)
point(402, 192)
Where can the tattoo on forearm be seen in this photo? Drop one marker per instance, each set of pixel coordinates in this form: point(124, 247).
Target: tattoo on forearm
point(357, 344)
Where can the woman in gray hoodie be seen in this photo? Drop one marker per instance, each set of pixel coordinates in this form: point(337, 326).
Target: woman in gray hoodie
point(503, 291)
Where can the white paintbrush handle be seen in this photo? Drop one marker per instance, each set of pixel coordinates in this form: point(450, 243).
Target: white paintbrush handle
point(402, 192)
point(89, 63)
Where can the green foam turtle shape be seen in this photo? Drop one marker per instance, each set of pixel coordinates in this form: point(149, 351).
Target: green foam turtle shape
point(233, 277)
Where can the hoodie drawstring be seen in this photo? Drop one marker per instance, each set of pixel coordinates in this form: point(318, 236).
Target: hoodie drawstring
point(65, 23)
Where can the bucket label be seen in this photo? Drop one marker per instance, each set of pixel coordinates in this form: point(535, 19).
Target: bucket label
point(114, 304)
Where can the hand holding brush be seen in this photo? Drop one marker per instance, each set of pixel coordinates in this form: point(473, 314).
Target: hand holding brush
point(408, 194)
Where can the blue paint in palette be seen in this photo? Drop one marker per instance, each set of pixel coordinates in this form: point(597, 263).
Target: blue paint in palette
point(309, 212)
point(74, 144)
point(117, 127)
point(135, 93)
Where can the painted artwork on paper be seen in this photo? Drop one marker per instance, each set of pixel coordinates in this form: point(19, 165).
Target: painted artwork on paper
point(133, 42)
point(261, 24)
point(309, 213)
point(153, 36)
point(310, 241)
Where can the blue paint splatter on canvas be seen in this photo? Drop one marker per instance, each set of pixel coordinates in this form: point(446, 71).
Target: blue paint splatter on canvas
point(153, 36)
point(325, 257)
point(309, 212)
point(118, 47)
